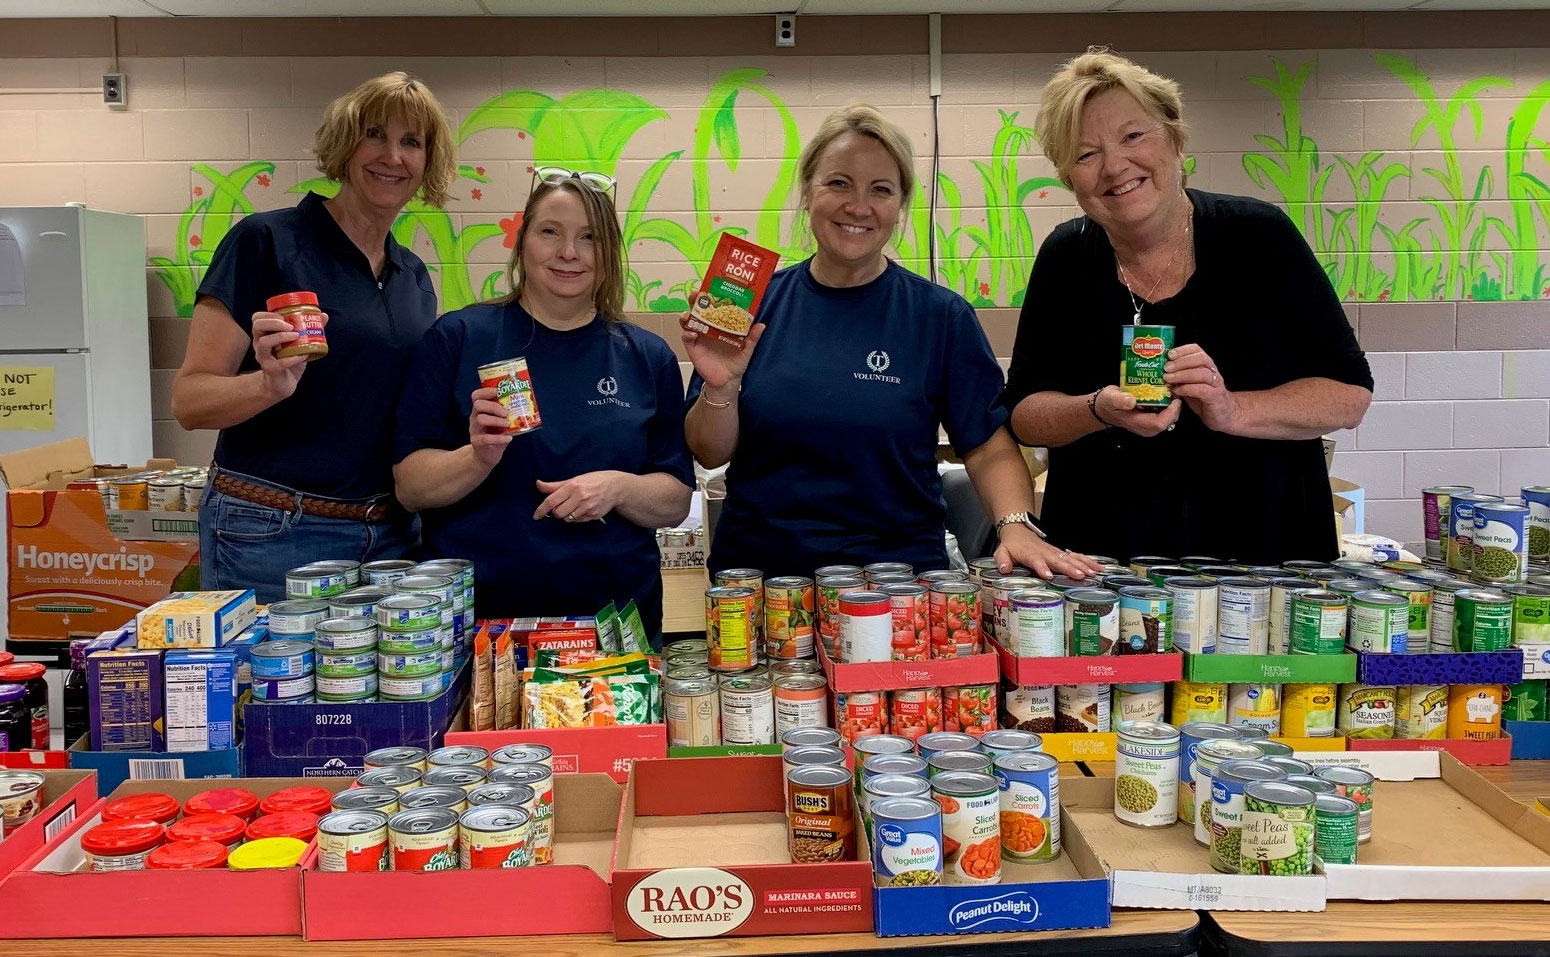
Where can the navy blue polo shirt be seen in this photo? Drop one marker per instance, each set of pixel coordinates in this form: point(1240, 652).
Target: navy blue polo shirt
point(610, 395)
point(836, 458)
point(334, 435)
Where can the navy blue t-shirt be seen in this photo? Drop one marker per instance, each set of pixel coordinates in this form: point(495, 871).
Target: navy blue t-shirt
point(610, 395)
point(334, 435)
point(836, 458)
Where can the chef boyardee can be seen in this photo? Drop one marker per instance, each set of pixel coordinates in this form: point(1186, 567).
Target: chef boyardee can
point(1380, 623)
point(1318, 622)
point(445, 796)
point(907, 844)
point(1030, 806)
point(1278, 824)
point(414, 612)
point(465, 776)
point(495, 836)
point(1191, 736)
point(298, 616)
point(342, 635)
point(514, 795)
point(400, 779)
point(424, 839)
point(318, 580)
point(1482, 621)
point(395, 757)
point(1419, 594)
point(1356, 784)
point(1334, 837)
point(353, 841)
point(541, 780)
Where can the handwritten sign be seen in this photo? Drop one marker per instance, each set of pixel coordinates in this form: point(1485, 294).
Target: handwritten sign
point(26, 399)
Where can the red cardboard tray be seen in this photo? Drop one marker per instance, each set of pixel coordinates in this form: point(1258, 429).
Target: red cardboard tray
point(1092, 670)
point(979, 669)
point(66, 795)
point(35, 760)
point(1495, 751)
point(569, 897)
point(606, 750)
point(732, 878)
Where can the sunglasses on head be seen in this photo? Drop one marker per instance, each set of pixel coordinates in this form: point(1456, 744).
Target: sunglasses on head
point(555, 175)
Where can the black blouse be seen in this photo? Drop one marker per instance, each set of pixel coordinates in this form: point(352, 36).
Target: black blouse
point(1264, 310)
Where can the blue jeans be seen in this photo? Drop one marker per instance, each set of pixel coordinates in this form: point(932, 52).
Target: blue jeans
point(247, 545)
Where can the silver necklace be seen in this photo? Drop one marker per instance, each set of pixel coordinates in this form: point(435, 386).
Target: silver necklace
point(1135, 318)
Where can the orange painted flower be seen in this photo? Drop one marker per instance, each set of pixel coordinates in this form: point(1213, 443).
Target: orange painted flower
point(1043, 194)
point(263, 179)
point(510, 227)
point(476, 193)
point(479, 170)
point(194, 241)
point(984, 288)
point(199, 190)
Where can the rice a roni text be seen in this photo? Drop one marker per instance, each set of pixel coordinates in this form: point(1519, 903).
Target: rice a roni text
point(729, 297)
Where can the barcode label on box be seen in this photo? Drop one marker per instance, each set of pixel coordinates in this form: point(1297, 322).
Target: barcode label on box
point(147, 769)
point(59, 823)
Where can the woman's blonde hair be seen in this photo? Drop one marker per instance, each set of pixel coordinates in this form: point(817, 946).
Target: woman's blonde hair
point(1084, 77)
point(607, 246)
point(867, 121)
point(391, 96)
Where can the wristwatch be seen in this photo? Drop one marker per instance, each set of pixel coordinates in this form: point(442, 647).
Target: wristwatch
point(1018, 518)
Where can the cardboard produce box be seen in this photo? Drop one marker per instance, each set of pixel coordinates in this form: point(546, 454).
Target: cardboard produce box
point(480, 903)
point(53, 895)
point(66, 794)
point(71, 574)
point(702, 852)
point(1271, 669)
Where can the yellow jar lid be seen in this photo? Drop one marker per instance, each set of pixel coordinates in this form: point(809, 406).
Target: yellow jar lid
point(267, 852)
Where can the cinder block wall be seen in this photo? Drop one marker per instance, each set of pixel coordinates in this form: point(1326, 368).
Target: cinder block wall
point(1436, 235)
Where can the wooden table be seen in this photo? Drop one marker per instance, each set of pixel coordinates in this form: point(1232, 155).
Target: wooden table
point(1164, 933)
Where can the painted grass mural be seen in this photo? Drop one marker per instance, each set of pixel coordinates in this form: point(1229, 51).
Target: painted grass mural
point(1457, 251)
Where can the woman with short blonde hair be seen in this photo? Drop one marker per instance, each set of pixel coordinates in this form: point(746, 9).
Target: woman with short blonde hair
point(829, 415)
point(303, 464)
point(1262, 361)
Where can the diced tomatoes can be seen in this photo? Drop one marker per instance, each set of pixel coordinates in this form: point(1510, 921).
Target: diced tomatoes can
point(860, 713)
point(914, 712)
point(789, 622)
point(955, 619)
point(730, 630)
point(353, 841)
point(423, 839)
point(1029, 784)
point(866, 627)
point(969, 708)
point(513, 385)
point(801, 701)
point(911, 606)
point(495, 836)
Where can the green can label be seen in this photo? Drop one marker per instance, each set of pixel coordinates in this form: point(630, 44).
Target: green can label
point(1524, 701)
point(1530, 614)
point(1336, 838)
point(1480, 625)
point(1277, 838)
point(1318, 628)
point(1143, 353)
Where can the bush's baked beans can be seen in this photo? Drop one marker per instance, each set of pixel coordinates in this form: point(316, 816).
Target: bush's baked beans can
point(801, 701)
point(495, 836)
point(970, 709)
point(914, 712)
point(789, 622)
point(971, 827)
point(911, 608)
point(907, 845)
point(866, 627)
point(821, 819)
point(730, 633)
point(423, 839)
point(795, 757)
point(747, 710)
point(956, 611)
point(353, 841)
point(692, 708)
point(513, 385)
point(829, 588)
point(541, 780)
point(1029, 782)
point(825, 737)
point(748, 578)
point(1035, 624)
point(1195, 604)
point(996, 602)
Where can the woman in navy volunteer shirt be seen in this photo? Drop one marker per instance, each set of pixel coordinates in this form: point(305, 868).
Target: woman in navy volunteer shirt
point(303, 462)
point(829, 414)
point(561, 520)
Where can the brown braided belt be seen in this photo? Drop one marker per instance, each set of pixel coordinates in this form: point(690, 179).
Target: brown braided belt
point(286, 502)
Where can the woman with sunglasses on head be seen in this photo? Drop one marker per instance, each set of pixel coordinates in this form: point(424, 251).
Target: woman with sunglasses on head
point(561, 520)
point(1264, 361)
point(829, 415)
point(296, 478)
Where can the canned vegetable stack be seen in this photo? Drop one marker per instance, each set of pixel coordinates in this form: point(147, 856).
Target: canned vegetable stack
point(751, 707)
point(410, 645)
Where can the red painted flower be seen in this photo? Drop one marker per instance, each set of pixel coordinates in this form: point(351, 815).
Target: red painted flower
point(1043, 194)
point(530, 169)
point(521, 135)
point(1546, 293)
point(510, 228)
point(1383, 296)
point(199, 190)
point(263, 179)
point(984, 288)
point(716, 219)
point(479, 170)
point(194, 241)
point(476, 193)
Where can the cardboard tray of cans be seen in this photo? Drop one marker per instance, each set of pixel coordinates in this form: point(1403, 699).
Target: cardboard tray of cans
point(571, 896)
point(1476, 751)
point(702, 852)
point(981, 669)
point(52, 894)
point(65, 795)
point(1099, 669)
point(1069, 892)
point(1450, 668)
point(1271, 669)
point(606, 750)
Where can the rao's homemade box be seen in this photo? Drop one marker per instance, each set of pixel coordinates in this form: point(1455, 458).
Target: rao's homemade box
point(72, 574)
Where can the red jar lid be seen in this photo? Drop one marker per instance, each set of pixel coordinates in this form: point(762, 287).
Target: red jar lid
point(302, 825)
point(276, 303)
point(238, 801)
point(118, 838)
point(21, 671)
point(6, 657)
point(225, 829)
point(187, 856)
point(305, 798)
point(151, 806)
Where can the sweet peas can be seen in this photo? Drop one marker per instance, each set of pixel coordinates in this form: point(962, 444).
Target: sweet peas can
point(1435, 513)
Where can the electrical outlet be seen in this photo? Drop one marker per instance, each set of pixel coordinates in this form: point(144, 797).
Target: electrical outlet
point(785, 29)
point(114, 91)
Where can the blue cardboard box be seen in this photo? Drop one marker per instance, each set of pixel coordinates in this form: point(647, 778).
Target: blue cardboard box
point(1530, 739)
point(1442, 668)
point(329, 740)
point(115, 767)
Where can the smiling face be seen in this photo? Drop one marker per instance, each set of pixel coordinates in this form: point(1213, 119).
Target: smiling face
point(388, 167)
point(559, 255)
point(1128, 171)
point(853, 202)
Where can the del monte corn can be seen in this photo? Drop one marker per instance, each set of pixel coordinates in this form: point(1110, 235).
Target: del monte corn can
point(1143, 353)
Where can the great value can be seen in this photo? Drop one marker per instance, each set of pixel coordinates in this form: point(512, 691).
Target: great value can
point(910, 606)
point(1145, 621)
point(1199, 701)
point(1141, 701)
point(829, 588)
point(858, 714)
point(1308, 711)
point(866, 627)
point(495, 836)
point(1255, 706)
point(971, 827)
point(1482, 620)
point(914, 712)
point(1379, 623)
point(353, 841)
point(1436, 505)
point(788, 618)
point(1228, 782)
point(1500, 543)
point(730, 632)
point(1029, 782)
point(1334, 839)
point(1355, 785)
point(1208, 757)
point(1035, 625)
point(1419, 616)
point(1243, 616)
point(955, 617)
point(1146, 774)
point(1091, 620)
point(1537, 499)
point(513, 385)
point(907, 849)
point(1461, 540)
point(1318, 622)
point(423, 839)
point(747, 710)
point(801, 701)
point(1420, 712)
point(1192, 735)
point(1366, 711)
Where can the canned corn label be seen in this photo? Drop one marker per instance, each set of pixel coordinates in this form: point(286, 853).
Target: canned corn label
point(1143, 354)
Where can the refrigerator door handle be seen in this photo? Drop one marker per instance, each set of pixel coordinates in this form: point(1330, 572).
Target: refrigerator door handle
point(53, 232)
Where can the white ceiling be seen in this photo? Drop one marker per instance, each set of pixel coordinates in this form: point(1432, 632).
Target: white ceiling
point(679, 8)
